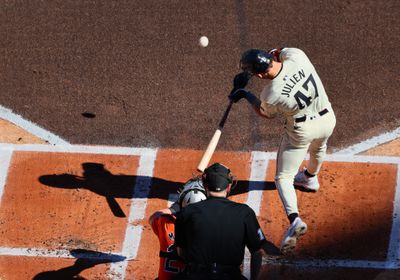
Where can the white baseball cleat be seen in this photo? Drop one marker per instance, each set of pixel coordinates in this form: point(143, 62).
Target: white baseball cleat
point(309, 183)
point(296, 229)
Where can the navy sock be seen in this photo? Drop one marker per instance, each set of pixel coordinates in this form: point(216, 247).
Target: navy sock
point(308, 174)
point(292, 217)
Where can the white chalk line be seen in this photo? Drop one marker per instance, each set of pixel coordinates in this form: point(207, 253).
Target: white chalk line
point(82, 149)
point(61, 253)
point(371, 142)
point(332, 263)
point(394, 243)
point(53, 139)
point(140, 150)
point(259, 166)
point(133, 233)
point(5, 159)
point(31, 127)
point(258, 171)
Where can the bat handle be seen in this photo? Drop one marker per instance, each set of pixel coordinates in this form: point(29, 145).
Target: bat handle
point(214, 141)
point(225, 116)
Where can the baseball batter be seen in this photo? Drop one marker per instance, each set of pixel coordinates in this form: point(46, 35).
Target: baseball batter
point(294, 89)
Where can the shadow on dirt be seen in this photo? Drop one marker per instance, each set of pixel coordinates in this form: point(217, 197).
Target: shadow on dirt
point(98, 179)
point(102, 182)
point(84, 259)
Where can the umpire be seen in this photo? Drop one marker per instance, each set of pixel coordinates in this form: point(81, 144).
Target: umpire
point(211, 235)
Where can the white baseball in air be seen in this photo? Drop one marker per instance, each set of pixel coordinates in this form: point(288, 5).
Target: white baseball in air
point(203, 41)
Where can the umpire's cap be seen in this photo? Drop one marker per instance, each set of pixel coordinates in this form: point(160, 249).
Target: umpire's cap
point(217, 177)
point(255, 61)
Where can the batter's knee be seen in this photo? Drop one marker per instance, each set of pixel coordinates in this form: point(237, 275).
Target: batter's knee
point(284, 182)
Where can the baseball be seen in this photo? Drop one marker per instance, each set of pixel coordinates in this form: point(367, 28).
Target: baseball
point(203, 41)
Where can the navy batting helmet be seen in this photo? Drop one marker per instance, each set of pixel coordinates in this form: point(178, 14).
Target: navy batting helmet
point(255, 61)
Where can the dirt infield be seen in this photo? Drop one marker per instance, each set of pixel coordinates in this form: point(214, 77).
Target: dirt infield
point(138, 67)
point(57, 201)
point(107, 106)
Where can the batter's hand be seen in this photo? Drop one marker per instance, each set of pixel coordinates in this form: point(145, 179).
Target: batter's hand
point(237, 94)
point(241, 80)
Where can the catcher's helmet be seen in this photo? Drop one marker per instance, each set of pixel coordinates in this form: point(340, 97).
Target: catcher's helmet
point(255, 61)
point(192, 192)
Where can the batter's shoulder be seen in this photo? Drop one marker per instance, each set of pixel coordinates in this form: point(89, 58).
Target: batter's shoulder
point(289, 53)
point(292, 50)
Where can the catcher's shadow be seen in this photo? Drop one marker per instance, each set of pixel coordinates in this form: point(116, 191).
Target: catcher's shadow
point(99, 180)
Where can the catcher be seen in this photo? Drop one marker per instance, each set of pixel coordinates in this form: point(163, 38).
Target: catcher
point(163, 224)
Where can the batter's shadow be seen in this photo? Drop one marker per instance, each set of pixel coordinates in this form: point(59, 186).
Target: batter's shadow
point(97, 179)
point(244, 186)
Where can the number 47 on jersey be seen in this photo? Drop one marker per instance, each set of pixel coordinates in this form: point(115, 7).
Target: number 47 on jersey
point(304, 100)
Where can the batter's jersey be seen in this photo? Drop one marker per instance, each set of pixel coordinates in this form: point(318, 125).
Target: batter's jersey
point(297, 90)
point(217, 230)
point(170, 263)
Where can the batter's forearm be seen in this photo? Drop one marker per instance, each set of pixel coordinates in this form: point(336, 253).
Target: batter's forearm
point(255, 102)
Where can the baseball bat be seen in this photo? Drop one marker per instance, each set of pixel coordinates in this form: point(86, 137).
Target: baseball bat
point(214, 141)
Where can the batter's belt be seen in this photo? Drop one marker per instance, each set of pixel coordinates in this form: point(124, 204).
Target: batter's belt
point(304, 118)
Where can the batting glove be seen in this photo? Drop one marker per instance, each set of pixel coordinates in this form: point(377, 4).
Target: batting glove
point(237, 94)
point(241, 80)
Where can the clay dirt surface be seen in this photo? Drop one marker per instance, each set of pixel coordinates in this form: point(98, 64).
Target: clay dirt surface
point(131, 74)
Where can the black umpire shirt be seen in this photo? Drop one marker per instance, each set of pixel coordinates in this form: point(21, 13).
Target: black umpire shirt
point(217, 230)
